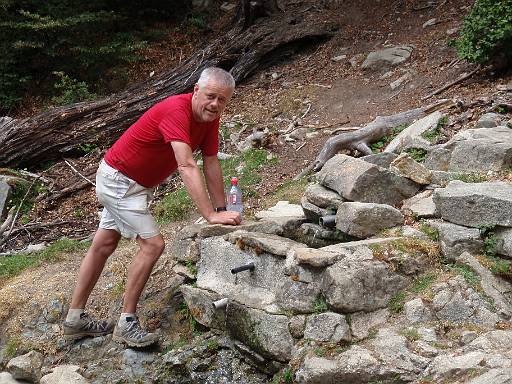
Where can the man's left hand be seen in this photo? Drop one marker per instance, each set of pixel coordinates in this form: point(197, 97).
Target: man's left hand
point(225, 217)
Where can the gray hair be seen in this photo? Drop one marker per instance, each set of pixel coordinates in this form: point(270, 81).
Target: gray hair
point(218, 75)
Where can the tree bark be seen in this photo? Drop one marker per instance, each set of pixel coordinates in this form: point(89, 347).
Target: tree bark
point(260, 30)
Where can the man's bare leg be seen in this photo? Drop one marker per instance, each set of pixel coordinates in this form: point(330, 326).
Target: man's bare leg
point(140, 270)
point(103, 245)
point(78, 323)
point(128, 329)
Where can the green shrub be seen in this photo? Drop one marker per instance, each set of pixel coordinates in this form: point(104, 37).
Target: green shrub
point(378, 146)
point(418, 154)
point(396, 303)
point(486, 32)
point(70, 90)
point(89, 41)
point(320, 305)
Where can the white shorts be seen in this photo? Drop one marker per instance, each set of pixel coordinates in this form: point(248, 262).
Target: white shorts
point(125, 204)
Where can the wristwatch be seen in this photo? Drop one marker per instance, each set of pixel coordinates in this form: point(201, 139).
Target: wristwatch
point(220, 209)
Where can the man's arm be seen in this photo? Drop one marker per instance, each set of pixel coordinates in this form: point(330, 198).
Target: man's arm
point(214, 180)
point(193, 180)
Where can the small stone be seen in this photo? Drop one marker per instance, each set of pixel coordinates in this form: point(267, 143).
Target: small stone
point(429, 23)
point(226, 7)
point(338, 58)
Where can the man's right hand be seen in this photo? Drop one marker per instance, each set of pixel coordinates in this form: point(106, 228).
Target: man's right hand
point(224, 217)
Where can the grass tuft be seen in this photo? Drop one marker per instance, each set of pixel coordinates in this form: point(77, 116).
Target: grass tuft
point(12, 265)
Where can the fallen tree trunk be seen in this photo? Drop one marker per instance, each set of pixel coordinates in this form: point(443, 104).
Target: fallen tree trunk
point(363, 137)
point(255, 39)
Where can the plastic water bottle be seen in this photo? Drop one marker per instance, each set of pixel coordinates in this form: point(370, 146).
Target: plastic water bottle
point(235, 197)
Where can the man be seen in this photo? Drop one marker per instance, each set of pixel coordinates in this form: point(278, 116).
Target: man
point(160, 142)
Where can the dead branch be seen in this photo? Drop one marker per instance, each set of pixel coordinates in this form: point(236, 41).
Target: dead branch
point(6, 236)
point(79, 174)
point(34, 226)
point(449, 85)
point(8, 220)
point(68, 191)
point(363, 137)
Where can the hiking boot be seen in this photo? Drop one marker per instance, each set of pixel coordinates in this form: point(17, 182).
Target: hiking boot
point(86, 326)
point(133, 335)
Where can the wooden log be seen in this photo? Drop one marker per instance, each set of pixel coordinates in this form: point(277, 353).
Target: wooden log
point(258, 34)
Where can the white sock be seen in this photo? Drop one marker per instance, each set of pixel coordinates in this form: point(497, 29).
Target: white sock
point(122, 319)
point(74, 314)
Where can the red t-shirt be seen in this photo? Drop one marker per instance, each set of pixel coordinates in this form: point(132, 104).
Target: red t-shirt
point(144, 153)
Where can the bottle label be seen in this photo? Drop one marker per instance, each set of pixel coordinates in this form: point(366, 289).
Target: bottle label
point(232, 199)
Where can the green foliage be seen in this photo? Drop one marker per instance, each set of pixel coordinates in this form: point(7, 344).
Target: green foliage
point(290, 190)
point(174, 206)
point(422, 283)
point(486, 32)
point(197, 20)
point(287, 375)
point(23, 195)
point(396, 303)
point(13, 265)
point(11, 348)
point(418, 154)
point(467, 273)
point(320, 305)
point(501, 109)
point(411, 334)
point(177, 205)
point(378, 146)
point(192, 268)
point(70, 90)
point(490, 244)
point(245, 167)
point(433, 134)
point(470, 177)
point(430, 231)
point(213, 345)
point(490, 239)
point(88, 41)
point(500, 266)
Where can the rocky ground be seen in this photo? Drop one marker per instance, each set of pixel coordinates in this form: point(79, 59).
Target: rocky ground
point(302, 99)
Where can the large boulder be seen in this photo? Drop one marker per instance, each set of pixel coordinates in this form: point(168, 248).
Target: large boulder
point(327, 327)
point(406, 166)
point(64, 374)
point(352, 286)
point(411, 137)
point(456, 239)
point(358, 180)
point(27, 366)
point(267, 334)
point(366, 219)
point(322, 197)
point(475, 205)
point(421, 205)
point(481, 149)
point(504, 241)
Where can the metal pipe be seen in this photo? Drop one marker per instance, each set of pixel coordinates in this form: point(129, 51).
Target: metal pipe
point(328, 221)
point(246, 267)
point(219, 304)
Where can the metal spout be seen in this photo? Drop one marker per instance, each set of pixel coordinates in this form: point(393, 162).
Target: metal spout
point(219, 304)
point(328, 221)
point(246, 267)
